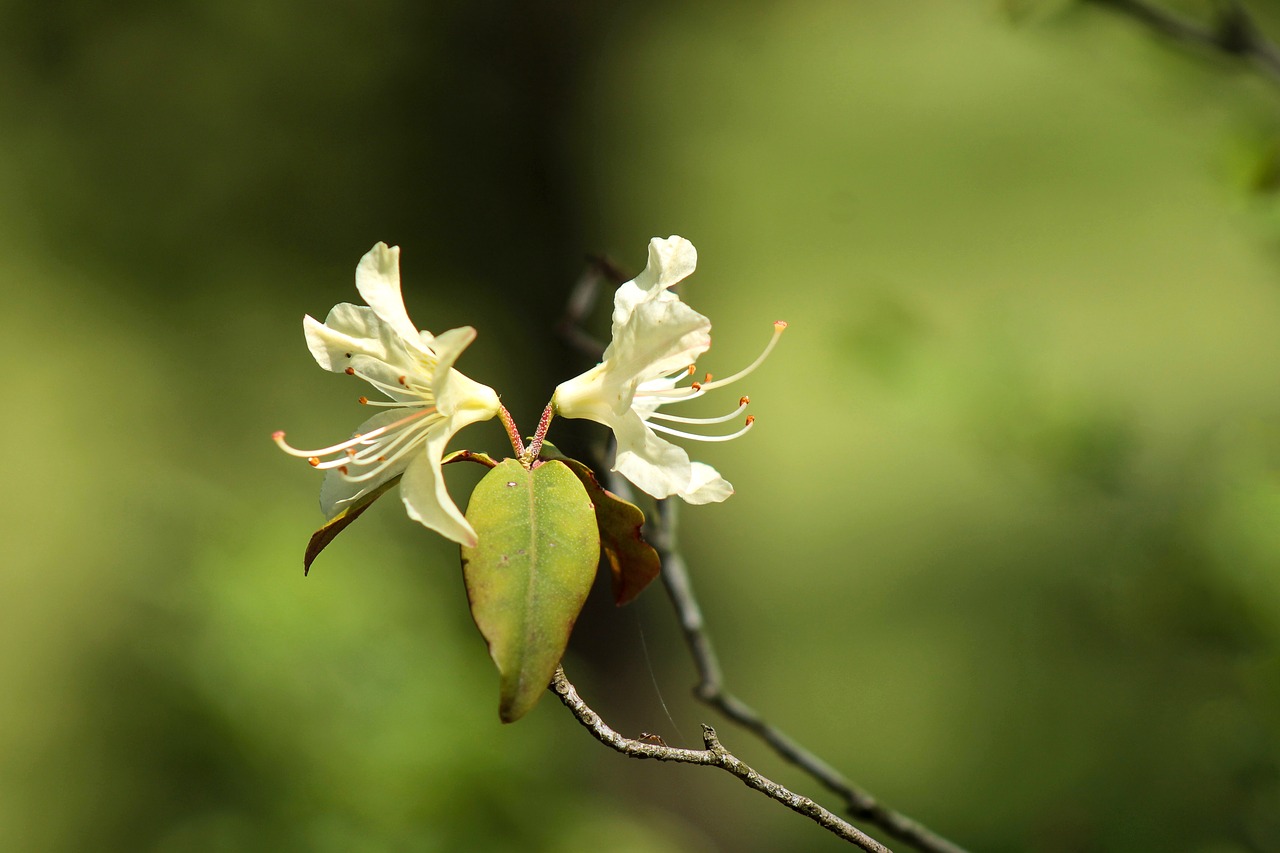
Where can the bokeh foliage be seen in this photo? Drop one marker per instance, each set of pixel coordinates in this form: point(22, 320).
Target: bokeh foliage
point(1004, 547)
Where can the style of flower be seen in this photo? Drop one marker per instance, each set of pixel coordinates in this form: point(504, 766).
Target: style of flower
point(656, 341)
point(430, 400)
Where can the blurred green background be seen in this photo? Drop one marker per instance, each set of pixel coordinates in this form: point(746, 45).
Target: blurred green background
point(1005, 548)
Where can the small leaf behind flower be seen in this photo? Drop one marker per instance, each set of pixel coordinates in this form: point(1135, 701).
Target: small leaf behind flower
point(322, 537)
point(529, 574)
point(633, 561)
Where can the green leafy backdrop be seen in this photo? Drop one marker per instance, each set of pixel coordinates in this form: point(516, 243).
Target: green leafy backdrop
point(1004, 548)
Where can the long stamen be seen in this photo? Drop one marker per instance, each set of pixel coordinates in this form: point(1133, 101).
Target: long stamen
point(391, 404)
point(363, 438)
point(697, 389)
point(330, 463)
point(672, 395)
point(380, 448)
point(376, 450)
point(278, 438)
point(681, 434)
point(778, 328)
point(663, 416)
point(386, 463)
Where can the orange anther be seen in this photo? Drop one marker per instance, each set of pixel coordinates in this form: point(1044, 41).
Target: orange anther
point(751, 419)
point(697, 386)
point(706, 378)
point(402, 380)
point(314, 461)
point(364, 401)
point(342, 468)
point(691, 370)
point(350, 371)
point(743, 400)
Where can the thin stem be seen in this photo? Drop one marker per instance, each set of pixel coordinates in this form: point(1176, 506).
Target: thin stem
point(582, 299)
point(535, 446)
point(513, 432)
point(1233, 33)
point(661, 532)
point(715, 755)
point(711, 690)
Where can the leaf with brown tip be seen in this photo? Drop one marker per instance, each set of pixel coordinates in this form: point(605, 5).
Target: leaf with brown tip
point(322, 537)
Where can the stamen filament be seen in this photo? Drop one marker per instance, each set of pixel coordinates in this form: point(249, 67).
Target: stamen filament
point(278, 438)
point(380, 448)
point(696, 389)
point(363, 438)
point(693, 437)
point(663, 416)
point(778, 328)
point(673, 395)
point(390, 460)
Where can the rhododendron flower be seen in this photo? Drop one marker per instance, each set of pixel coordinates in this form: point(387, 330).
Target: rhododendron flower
point(656, 340)
point(429, 400)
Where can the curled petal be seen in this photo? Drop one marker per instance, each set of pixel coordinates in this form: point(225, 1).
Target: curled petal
point(659, 337)
point(427, 500)
point(655, 465)
point(706, 486)
point(348, 329)
point(378, 280)
point(670, 262)
point(447, 346)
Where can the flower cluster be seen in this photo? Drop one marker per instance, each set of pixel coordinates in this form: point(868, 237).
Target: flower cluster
point(649, 364)
point(656, 342)
point(428, 400)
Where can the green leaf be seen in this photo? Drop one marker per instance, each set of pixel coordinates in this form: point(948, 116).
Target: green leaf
point(469, 456)
point(322, 537)
point(633, 561)
point(528, 576)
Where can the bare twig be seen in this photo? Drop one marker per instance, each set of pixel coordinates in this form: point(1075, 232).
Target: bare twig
point(715, 755)
point(1232, 33)
point(582, 299)
point(661, 532)
point(711, 690)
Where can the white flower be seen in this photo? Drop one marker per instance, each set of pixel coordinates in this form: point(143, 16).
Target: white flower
point(431, 400)
point(656, 340)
